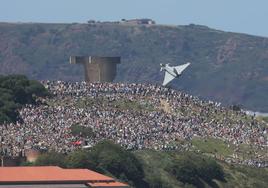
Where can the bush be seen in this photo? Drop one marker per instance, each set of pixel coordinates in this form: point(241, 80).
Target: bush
point(17, 90)
point(209, 169)
point(190, 168)
point(51, 159)
point(109, 158)
point(155, 180)
point(113, 158)
point(81, 159)
point(185, 171)
point(78, 130)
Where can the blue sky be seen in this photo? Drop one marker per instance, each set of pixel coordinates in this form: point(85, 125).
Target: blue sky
point(243, 16)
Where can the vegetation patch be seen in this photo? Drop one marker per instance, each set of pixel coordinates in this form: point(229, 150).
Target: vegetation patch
point(265, 118)
point(15, 91)
point(191, 168)
point(78, 130)
point(133, 105)
point(155, 169)
point(213, 146)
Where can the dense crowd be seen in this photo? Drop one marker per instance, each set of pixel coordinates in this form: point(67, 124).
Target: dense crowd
point(136, 116)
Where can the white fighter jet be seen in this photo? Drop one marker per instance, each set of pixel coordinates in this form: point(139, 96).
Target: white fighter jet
point(172, 72)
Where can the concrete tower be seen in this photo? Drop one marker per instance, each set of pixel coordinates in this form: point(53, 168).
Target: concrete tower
point(97, 69)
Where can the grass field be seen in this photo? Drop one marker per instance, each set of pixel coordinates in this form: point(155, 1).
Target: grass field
point(213, 146)
point(219, 148)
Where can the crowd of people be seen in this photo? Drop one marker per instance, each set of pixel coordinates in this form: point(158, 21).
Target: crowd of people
point(136, 116)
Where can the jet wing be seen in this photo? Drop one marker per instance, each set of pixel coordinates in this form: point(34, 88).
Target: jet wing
point(181, 68)
point(168, 78)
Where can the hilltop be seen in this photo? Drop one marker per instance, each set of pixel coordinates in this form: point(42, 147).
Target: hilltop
point(227, 67)
point(136, 116)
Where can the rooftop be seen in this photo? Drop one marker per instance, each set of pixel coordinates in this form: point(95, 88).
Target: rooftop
point(54, 175)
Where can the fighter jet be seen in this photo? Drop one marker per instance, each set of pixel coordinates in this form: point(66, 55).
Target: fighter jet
point(172, 72)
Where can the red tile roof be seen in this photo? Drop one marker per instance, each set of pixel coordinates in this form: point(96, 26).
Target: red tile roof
point(107, 184)
point(51, 174)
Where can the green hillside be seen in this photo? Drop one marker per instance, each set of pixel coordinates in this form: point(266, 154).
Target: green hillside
point(156, 165)
point(227, 67)
point(159, 169)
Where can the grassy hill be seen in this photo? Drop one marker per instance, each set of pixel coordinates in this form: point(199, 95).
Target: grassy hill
point(156, 163)
point(227, 67)
point(155, 169)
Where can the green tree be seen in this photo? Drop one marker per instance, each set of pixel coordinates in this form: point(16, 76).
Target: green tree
point(109, 158)
point(51, 159)
point(15, 91)
point(36, 89)
point(119, 162)
point(81, 159)
point(9, 111)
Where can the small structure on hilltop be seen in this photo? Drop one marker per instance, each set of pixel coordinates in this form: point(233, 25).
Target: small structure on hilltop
point(142, 21)
point(97, 69)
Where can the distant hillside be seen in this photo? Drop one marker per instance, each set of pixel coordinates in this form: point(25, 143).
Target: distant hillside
point(227, 67)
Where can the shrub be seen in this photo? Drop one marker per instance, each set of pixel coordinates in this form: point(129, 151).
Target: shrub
point(190, 168)
point(17, 90)
point(78, 130)
point(51, 159)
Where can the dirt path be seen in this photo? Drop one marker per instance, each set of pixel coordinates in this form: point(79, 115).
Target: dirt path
point(165, 106)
